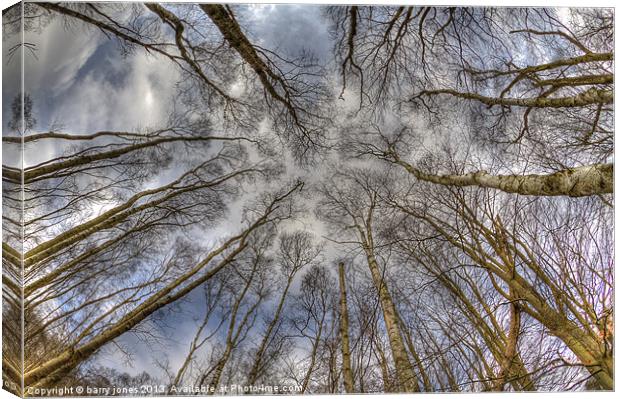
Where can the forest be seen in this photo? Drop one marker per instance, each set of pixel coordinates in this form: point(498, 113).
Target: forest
point(306, 198)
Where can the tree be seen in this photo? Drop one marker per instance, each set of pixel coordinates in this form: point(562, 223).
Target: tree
point(452, 49)
point(344, 331)
point(241, 305)
point(353, 209)
point(456, 161)
point(293, 90)
point(521, 264)
point(296, 252)
point(314, 305)
point(80, 264)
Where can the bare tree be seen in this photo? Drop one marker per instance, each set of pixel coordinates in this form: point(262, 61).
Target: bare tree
point(464, 192)
point(296, 251)
point(162, 290)
point(241, 305)
point(293, 89)
point(314, 305)
point(352, 206)
point(553, 109)
point(344, 331)
point(520, 264)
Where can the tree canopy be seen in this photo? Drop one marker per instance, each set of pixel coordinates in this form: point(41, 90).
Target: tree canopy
point(322, 198)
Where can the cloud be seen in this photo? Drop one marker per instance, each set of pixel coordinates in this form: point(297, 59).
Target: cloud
point(78, 77)
point(60, 53)
point(83, 82)
point(303, 22)
point(120, 94)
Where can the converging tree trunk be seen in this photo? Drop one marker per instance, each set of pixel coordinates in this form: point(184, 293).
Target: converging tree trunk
point(347, 371)
point(404, 369)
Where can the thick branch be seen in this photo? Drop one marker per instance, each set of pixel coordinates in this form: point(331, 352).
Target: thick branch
point(579, 181)
point(47, 170)
point(578, 80)
point(65, 136)
point(592, 96)
point(586, 58)
point(347, 371)
point(178, 27)
point(230, 29)
point(119, 214)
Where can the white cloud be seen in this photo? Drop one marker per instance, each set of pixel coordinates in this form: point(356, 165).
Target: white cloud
point(60, 53)
point(141, 98)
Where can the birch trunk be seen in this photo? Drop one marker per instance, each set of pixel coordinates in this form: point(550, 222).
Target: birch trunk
point(53, 370)
point(260, 353)
point(508, 366)
point(344, 333)
point(315, 347)
point(591, 96)
point(579, 181)
point(404, 369)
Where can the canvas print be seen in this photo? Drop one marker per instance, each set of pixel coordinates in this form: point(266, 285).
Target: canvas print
point(229, 199)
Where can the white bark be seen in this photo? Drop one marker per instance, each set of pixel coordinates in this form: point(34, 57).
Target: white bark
point(579, 181)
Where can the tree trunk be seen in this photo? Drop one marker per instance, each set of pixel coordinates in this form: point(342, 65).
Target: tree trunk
point(347, 371)
point(315, 349)
point(258, 358)
point(507, 368)
point(404, 369)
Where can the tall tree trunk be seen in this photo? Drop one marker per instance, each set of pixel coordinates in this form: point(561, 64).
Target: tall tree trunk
point(315, 348)
point(260, 352)
point(404, 369)
point(507, 368)
point(347, 371)
point(219, 369)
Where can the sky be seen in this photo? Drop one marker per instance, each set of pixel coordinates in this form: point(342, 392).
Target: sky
point(80, 80)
